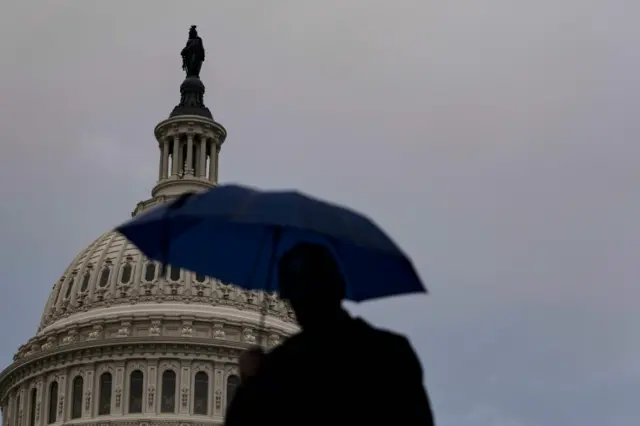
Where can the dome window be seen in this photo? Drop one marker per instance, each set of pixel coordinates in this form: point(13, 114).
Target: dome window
point(168, 401)
point(201, 394)
point(150, 272)
point(104, 276)
point(85, 281)
point(136, 386)
point(200, 278)
point(125, 276)
point(233, 382)
point(174, 274)
point(104, 407)
point(69, 286)
point(53, 403)
point(76, 397)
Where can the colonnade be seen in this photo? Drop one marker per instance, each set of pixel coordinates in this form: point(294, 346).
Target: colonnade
point(190, 155)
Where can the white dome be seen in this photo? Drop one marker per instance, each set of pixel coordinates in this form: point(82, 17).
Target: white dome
point(119, 344)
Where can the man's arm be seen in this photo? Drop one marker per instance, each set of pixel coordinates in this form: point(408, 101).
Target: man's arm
point(412, 401)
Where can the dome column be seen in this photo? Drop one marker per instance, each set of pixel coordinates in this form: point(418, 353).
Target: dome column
point(219, 387)
point(213, 161)
point(202, 157)
point(62, 392)
point(217, 158)
point(189, 164)
point(161, 162)
point(7, 415)
point(151, 406)
point(185, 387)
point(20, 408)
point(164, 158)
point(175, 157)
point(88, 397)
point(118, 390)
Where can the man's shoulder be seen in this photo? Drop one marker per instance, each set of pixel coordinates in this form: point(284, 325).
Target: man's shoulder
point(358, 331)
point(386, 343)
point(381, 334)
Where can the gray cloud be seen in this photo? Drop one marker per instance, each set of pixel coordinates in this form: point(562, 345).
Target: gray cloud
point(496, 140)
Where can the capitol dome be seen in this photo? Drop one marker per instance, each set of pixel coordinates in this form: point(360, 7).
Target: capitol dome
point(120, 343)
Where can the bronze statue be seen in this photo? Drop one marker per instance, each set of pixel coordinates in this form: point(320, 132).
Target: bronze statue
point(193, 54)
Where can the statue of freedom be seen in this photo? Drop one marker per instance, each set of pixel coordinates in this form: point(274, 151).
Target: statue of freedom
point(193, 54)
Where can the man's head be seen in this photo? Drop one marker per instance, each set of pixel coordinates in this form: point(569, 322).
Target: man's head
point(310, 279)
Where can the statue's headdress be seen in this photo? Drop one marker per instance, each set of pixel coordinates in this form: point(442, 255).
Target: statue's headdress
point(193, 30)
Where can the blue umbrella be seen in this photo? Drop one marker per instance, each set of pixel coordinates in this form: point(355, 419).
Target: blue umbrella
point(237, 234)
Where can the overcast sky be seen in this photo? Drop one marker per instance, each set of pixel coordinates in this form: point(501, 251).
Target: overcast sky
point(496, 140)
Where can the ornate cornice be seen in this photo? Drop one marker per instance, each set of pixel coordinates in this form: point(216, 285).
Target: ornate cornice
point(177, 324)
point(184, 124)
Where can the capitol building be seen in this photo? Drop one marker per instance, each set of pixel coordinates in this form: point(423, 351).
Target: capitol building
point(121, 343)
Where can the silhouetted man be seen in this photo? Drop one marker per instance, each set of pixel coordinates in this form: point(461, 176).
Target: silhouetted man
point(337, 369)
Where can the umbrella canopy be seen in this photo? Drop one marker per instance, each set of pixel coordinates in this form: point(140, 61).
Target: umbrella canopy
point(237, 234)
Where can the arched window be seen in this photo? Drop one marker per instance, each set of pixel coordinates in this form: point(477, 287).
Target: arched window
point(233, 382)
point(125, 276)
point(174, 274)
point(104, 401)
point(59, 293)
point(104, 276)
point(76, 397)
point(70, 286)
point(168, 401)
point(53, 402)
point(32, 406)
point(150, 272)
point(201, 394)
point(136, 386)
point(85, 281)
point(200, 278)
